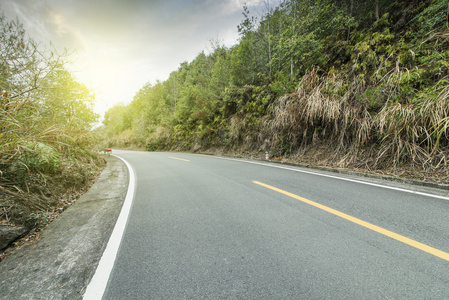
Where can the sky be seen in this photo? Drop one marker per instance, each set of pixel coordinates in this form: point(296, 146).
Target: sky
point(120, 45)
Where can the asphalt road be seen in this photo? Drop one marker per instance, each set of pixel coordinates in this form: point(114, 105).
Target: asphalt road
point(211, 228)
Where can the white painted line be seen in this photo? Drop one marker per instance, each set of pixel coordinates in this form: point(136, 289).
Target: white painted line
point(97, 285)
point(334, 177)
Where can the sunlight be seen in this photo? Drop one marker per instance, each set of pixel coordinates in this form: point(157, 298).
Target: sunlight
point(100, 69)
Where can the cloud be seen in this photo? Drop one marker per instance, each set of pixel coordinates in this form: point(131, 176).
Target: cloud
point(57, 20)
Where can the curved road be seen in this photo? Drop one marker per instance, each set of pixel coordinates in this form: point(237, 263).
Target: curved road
point(211, 228)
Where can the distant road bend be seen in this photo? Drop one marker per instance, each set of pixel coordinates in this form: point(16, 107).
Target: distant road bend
point(203, 227)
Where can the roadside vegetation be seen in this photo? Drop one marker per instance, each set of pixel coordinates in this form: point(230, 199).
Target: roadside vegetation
point(352, 84)
point(46, 116)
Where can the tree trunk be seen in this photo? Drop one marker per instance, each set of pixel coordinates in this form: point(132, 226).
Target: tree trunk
point(269, 37)
point(292, 66)
point(377, 10)
point(351, 8)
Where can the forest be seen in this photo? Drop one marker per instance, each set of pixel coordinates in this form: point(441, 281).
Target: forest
point(347, 83)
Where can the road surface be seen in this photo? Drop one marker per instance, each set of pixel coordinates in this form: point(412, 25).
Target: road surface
point(204, 227)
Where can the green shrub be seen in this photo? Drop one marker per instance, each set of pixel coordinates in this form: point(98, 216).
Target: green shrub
point(41, 157)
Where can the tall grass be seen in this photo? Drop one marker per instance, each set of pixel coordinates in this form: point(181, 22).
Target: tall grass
point(320, 111)
point(40, 162)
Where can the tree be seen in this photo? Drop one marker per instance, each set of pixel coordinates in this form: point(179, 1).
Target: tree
point(41, 101)
point(67, 101)
point(45, 122)
point(24, 64)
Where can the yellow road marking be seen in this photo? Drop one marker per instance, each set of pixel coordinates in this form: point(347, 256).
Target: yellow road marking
point(178, 158)
point(393, 235)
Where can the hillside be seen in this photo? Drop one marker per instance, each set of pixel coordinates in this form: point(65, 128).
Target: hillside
point(46, 142)
point(351, 84)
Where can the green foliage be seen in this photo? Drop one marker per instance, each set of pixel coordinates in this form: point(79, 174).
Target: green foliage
point(67, 101)
point(38, 220)
point(355, 76)
point(39, 157)
point(432, 16)
point(45, 122)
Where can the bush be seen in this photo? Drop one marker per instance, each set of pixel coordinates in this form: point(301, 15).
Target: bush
point(40, 157)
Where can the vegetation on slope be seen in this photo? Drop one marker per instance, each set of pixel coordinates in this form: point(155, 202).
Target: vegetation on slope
point(361, 84)
point(45, 137)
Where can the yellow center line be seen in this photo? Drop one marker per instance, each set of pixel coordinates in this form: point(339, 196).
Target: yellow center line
point(178, 158)
point(393, 235)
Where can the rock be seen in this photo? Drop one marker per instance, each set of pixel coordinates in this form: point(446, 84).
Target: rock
point(10, 234)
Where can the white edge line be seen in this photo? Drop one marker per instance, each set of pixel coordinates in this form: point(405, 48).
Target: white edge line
point(97, 285)
point(335, 177)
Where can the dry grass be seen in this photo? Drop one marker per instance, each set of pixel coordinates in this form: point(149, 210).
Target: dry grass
point(396, 135)
point(39, 163)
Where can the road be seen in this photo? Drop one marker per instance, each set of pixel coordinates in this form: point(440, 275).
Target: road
point(203, 227)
